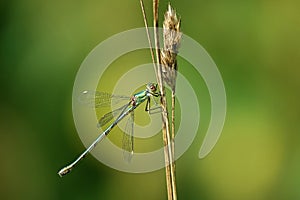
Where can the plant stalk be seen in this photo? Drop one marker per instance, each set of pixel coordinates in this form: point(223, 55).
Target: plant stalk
point(170, 174)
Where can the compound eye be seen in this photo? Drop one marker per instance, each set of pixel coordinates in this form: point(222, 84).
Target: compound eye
point(152, 87)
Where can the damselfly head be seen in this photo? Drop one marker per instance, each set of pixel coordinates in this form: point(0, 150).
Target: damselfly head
point(152, 87)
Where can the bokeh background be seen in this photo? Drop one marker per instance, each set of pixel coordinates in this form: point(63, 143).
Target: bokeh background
point(256, 46)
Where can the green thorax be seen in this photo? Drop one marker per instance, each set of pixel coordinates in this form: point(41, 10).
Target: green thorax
point(140, 97)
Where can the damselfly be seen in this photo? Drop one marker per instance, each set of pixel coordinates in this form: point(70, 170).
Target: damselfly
point(134, 102)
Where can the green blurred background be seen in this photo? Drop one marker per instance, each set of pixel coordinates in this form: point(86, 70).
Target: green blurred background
point(256, 46)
